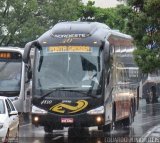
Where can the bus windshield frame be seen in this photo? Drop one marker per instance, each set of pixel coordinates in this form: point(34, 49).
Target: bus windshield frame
point(78, 68)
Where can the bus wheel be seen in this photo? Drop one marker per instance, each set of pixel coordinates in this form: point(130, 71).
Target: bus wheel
point(147, 100)
point(107, 128)
point(100, 127)
point(151, 97)
point(155, 100)
point(48, 129)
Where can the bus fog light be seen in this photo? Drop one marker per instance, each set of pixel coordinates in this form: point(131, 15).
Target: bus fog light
point(98, 119)
point(36, 119)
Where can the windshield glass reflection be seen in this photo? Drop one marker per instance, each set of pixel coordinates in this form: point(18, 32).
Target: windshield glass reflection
point(80, 70)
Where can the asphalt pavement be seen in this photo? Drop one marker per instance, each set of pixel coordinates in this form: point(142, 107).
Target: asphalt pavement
point(146, 129)
point(152, 135)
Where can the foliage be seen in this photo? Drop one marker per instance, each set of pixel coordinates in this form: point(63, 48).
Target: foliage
point(144, 27)
point(141, 19)
point(23, 21)
point(108, 16)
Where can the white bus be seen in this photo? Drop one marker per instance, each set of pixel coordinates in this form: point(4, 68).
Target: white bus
point(15, 78)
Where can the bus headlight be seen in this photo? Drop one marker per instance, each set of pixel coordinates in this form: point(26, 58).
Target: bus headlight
point(99, 110)
point(36, 110)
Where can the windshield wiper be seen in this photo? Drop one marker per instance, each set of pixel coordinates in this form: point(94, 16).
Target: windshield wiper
point(40, 60)
point(60, 89)
point(70, 89)
point(93, 96)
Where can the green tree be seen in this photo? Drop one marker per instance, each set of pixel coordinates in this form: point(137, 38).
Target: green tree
point(18, 22)
point(23, 21)
point(143, 25)
point(109, 16)
point(141, 19)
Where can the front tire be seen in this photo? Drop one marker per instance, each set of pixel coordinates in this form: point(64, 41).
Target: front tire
point(48, 129)
point(108, 128)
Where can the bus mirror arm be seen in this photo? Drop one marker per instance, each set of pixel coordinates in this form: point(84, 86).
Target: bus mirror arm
point(27, 50)
point(29, 74)
point(106, 52)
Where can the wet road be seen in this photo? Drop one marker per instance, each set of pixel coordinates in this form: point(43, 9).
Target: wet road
point(147, 117)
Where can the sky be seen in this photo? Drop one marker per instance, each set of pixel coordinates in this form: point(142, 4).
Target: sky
point(105, 3)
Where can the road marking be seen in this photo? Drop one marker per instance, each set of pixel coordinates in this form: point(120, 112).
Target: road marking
point(58, 137)
point(25, 125)
point(148, 133)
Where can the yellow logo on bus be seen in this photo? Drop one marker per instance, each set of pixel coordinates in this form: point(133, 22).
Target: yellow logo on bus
point(62, 107)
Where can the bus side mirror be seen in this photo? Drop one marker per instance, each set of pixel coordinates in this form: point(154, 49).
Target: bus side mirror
point(106, 50)
point(27, 50)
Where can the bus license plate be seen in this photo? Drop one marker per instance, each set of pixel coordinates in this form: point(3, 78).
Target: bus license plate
point(66, 120)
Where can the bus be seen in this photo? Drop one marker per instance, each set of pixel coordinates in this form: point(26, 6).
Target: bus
point(15, 78)
point(151, 87)
point(75, 81)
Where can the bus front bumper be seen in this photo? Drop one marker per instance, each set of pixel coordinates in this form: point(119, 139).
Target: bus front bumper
point(58, 122)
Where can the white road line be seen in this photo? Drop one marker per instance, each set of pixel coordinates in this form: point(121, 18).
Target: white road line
point(58, 137)
point(147, 134)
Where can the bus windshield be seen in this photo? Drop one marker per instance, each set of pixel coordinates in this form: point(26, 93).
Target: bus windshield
point(75, 67)
point(10, 74)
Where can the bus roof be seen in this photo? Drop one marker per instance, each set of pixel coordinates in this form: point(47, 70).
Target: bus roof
point(88, 32)
point(76, 27)
point(16, 49)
